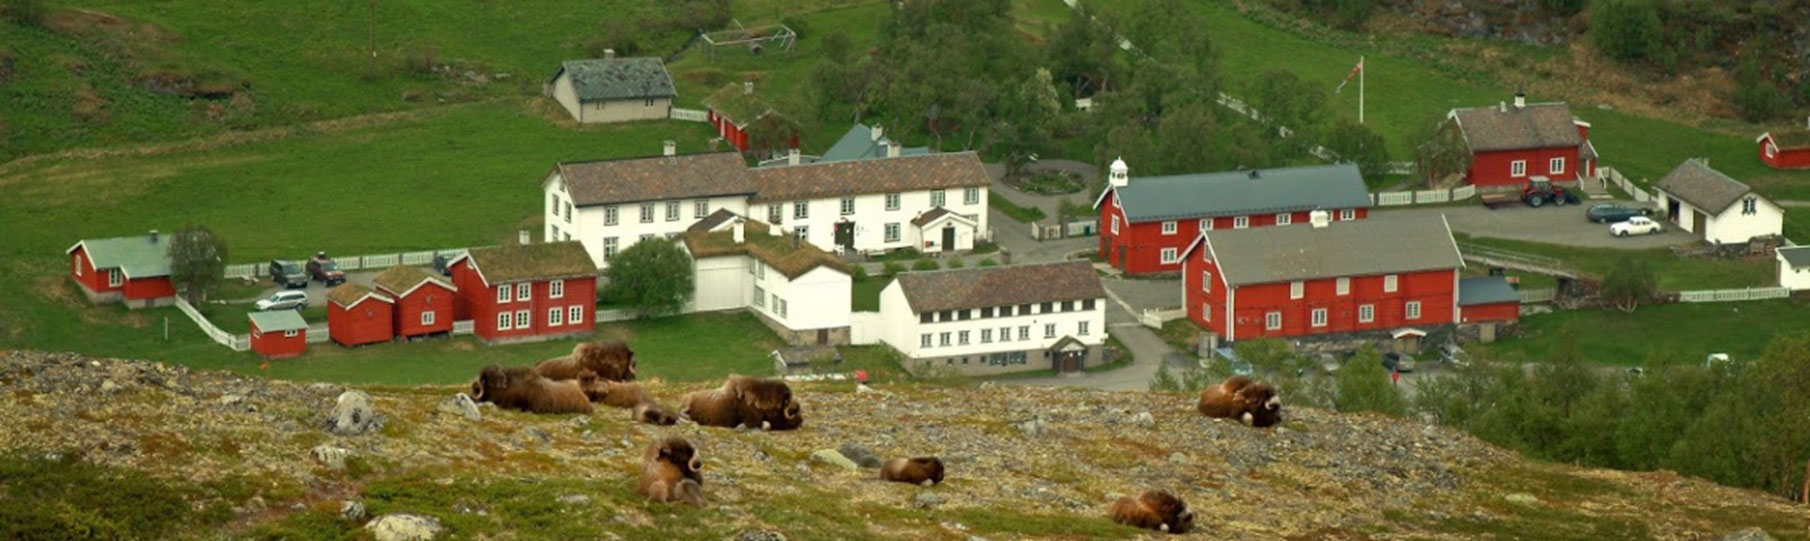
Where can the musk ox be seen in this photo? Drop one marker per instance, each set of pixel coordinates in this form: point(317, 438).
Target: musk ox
point(1154, 510)
point(670, 473)
point(619, 394)
point(1255, 404)
point(521, 389)
point(653, 414)
point(611, 360)
point(926, 471)
point(745, 401)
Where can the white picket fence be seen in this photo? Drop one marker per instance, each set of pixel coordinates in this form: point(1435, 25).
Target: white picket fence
point(1734, 295)
point(1611, 176)
point(238, 342)
point(1423, 197)
point(352, 263)
point(692, 115)
point(318, 333)
point(1537, 296)
point(1156, 318)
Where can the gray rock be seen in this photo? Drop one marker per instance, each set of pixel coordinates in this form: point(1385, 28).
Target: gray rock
point(334, 458)
point(1144, 419)
point(832, 458)
point(860, 454)
point(352, 415)
point(461, 405)
point(109, 387)
point(231, 400)
point(534, 435)
point(1522, 498)
point(404, 527)
point(928, 499)
point(1178, 458)
point(323, 388)
point(575, 499)
point(352, 510)
point(1749, 534)
point(1034, 427)
point(759, 535)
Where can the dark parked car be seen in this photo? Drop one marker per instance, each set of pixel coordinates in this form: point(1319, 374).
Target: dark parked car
point(1398, 362)
point(288, 274)
point(441, 261)
point(1607, 213)
point(324, 269)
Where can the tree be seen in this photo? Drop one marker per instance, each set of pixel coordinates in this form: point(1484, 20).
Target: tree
point(1627, 30)
point(1442, 151)
point(1268, 356)
point(197, 261)
point(1289, 101)
point(653, 277)
point(24, 12)
point(1356, 143)
point(1629, 283)
point(1365, 386)
point(1020, 129)
point(1758, 99)
point(1083, 52)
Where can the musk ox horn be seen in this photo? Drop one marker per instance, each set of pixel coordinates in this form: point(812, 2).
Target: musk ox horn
point(696, 464)
point(1273, 403)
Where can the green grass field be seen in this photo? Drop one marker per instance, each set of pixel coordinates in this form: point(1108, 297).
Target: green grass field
point(1012, 210)
point(865, 296)
point(1682, 332)
point(1674, 273)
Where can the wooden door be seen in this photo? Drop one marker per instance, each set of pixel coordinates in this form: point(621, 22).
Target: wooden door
point(1697, 223)
point(949, 239)
point(845, 235)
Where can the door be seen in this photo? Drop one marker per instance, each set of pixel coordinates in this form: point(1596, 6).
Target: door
point(1671, 209)
point(1697, 222)
point(845, 235)
point(949, 238)
point(823, 337)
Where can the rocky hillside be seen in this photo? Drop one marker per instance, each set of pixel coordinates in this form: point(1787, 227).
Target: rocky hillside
point(158, 451)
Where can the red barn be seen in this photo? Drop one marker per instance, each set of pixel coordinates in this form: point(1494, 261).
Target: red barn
point(735, 108)
point(131, 270)
point(1511, 143)
point(525, 292)
point(424, 302)
point(357, 315)
point(1485, 299)
point(1329, 277)
point(1146, 222)
point(1785, 150)
point(279, 333)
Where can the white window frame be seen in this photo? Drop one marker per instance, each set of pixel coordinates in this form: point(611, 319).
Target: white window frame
point(524, 291)
point(942, 339)
point(971, 196)
point(1343, 285)
point(1206, 281)
point(1206, 311)
point(1346, 215)
point(1319, 317)
point(1241, 222)
point(568, 212)
point(1517, 168)
point(1366, 313)
point(1413, 310)
point(1297, 289)
point(503, 293)
point(553, 204)
point(505, 321)
point(1005, 334)
point(892, 201)
point(1284, 218)
point(556, 289)
point(1169, 227)
point(938, 198)
point(700, 208)
point(609, 248)
point(924, 340)
point(1206, 224)
point(1390, 283)
point(1049, 330)
point(291, 333)
point(427, 317)
point(672, 211)
point(610, 215)
point(1170, 255)
point(115, 278)
point(848, 206)
point(78, 264)
point(1115, 225)
point(760, 297)
point(1772, 151)
point(1272, 321)
point(961, 338)
point(556, 317)
point(574, 315)
point(892, 232)
point(776, 213)
point(647, 213)
point(521, 319)
point(1556, 166)
point(1082, 329)
point(1024, 333)
point(801, 210)
point(986, 336)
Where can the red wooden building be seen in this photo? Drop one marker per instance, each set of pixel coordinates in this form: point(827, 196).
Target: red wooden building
point(525, 292)
point(1327, 277)
point(735, 110)
point(1785, 150)
point(424, 302)
point(131, 270)
point(1484, 299)
point(1146, 222)
point(1513, 142)
point(278, 333)
point(357, 315)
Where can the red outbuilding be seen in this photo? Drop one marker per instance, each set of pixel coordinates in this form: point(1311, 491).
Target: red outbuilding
point(357, 315)
point(1786, 150)
point(424, 301)
point(1328, 277)
point(278, 333)
point(1484, 299)
point(735, 110)
point(1511, 143)
point(1146, 222)
point(130, 270)
point(526, 292)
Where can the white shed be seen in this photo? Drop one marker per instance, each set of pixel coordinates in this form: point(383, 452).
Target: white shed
point(1718, 208)
point(1794, 268)
point(613, 89)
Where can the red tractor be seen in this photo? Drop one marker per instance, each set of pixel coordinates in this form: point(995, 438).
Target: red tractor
point(1540, 191)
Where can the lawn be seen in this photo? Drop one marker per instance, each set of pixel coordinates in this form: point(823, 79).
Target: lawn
point(865, 296)
point(1674, 273)
point(1797, 224)
point(1012, 210)
point(234, 318)
point(1683, 332)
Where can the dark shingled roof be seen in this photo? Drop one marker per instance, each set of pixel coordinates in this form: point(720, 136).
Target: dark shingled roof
point(348, 293)
point(859, 144)
point(930, 216)
point(620, 78)
point(1702, 187)
point(1486, 290)
point(707, 223)
point(880, 175)
point(1541, 125)
point(1797, 256)
point(1000, 286)
point(1226, 193)
point(661, 177)
point(792, 259)
point(524, 262)
point(1370, 247)
point(400, 279)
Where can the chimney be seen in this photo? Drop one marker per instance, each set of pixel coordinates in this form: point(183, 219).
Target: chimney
point(153, 236)
point(1120, 174)
point(609, 54)
point(1319, 218)
point(740, 232)
point(522, 236)
point(747, 87)
point(876, 132)
point(892, 149)
point(671, 148)
point(792, 157)
point(1520, 100)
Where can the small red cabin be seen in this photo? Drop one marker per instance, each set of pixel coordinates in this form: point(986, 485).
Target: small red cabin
point(526, 292)
point(277, 334)
point(1785, 150)
point(735, 108)
point(1511, 143)
point(1485, 299)
point(356, 315)
point(130, 270)
point(424, 302)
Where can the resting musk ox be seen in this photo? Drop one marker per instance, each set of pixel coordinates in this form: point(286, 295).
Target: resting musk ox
point(619, 394)
point(1154, 510)
point(925, 471)
point(670, 472)
point(610, 359)
point(1255, 404)
point(653, 414)
point(522, 389)
point(744, 401)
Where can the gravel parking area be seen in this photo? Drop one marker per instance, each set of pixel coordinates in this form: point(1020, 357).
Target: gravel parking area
point(1552, 225)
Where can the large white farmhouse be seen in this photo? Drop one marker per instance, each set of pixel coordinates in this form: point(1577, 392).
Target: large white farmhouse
point(797, 290)
point(1718, 208)
point(993, 320)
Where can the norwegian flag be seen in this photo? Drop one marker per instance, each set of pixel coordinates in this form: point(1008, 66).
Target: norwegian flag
point(1354, 72)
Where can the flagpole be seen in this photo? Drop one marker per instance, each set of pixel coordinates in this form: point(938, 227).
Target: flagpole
point(1360, 90)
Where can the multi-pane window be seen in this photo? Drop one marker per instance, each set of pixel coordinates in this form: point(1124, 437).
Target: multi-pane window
point(1241, 222)
point(1517, 168)
point(962, 338)
point(1206, 224)
point(782, 308)
point(1047, 308)
point(892, 201)
point(553, 204)
point(971, 196)
point(575, 315)
point(801, 210)
point(1319, 317)
point(924, 340)
point(504, 321)
point(556, 317)
point(986, 312)
point(78, 264)
point(502, 293)
point(1388, 283)
point(936, 198)
point(892, 232)
point(672, 211)
point(848, 206)
point(1082, 329)
point(1206, 312)
point(1115, 225)
point(427, 317)
point(1024, 333)
point(1087, 305)
point(1297, 289)
point(647, 213)
point(1169, 255)
point(774, 213)
point(115, 278)
point(927, 317)
point(1347, 214)
point(700, 208)
point(1049, 330)
point(1206, 281)
point(1169, 227)
point(986, 336)
point(1750, 206)
point(568, 211)
point(524, 291)
point(1284, 218)
point(1366, 313)
point(1413, 309)
point(610, 215)
point(1272, 321)
point(521, 319)
point(556, 289)
point(1005, 334)
point(1556, 165)
point(760, 297)
point(609, 248)
point(803, 232)
point(1344, 286)
point(943, 339)
point(775, 302)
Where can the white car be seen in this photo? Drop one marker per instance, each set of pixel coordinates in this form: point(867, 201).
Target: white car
point(1638, 225)
point(284, 300)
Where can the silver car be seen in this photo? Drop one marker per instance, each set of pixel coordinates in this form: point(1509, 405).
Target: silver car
point(284, 300)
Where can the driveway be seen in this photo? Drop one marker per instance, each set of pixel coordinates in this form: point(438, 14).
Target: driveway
point(317, 292)
point(1552, 225)
point(1145, 294)
point(1147, 352)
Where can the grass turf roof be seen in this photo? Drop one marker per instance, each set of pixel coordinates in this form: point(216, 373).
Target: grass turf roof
point(531, 262)
point(778, 252)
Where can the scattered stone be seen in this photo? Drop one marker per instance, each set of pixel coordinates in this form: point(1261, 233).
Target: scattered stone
point(232, 400)
point(1178, 458)
point(1749, 534)
point(334, 458)
point(352, 415)
point(1144, 419)
point(323, 388)
point(575, 499)
point(832, 458)
point(404, 527)
point(461, 405)
point(759, 535)
point(352, 510)
point(1034, 427)
point(109, 387)
point(1523, 498)
point(860, 454)
point(928, 499)
point(534, 434)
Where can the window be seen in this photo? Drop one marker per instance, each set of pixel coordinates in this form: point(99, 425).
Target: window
point(1206, 224)
point(555, 317)
point(1413, 309)
point(648, 102)
point(848, 206)
point(1024, 309)
point(774, 214)
point(760, 297)
point(971, 196)
point(291, 333)
point(1272, 321)
point(1115, 225)
point(1049, 330)
point(1284, 218)
point(647, 213)
point(700, 208)
point(986, 336)
point(801, 210)
point(892, 201)
point(502, 293)
point(609, 248)
point(1517, 168)
point(524, 291)
point(555, 233)
point(1319, 317)
point(963, 338)
point(1068, 306)
point(553, 204)
point(1005, 334)
point(78, 264)
point(1772, 150)
point(986, 312)
point(1750, 206)
point(963, 315)
point(1241, 222)
point(1388, 283)
point(803, 232)
point(892, 232)
point(924, 340)
point(1005, 311)
point(1087, 305)
point(1346, 215)
point(1556, 166)
point(937, 198)
point(1206, 312)
point(1047, 308)
point(927, 317)
point(1366, 313)
point(1344, 286)
point(1297, 289)
point(1169, 255)
point(1024, 333)
point(609, 215)
point(427, 317)
point(521, 319)
point(1169, 227)
point(574, 315)
point(568, 212)
point(760, 270)
point(782, 308)
point(504, 322)
point(943, 339)
point(775, 305)
point(1082, 330)
point(556, 289)
point(946, 315)
point(672, 211)
point(1206, 281)
point(115, 278)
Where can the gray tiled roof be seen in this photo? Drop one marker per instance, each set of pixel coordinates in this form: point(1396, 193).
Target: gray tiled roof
point(880, 175)
point(652, 179)
point(1797, 256)
point(1486, 290)
point(859, 144)
point(619, 78)
point(1369, 247)
point(1238, 192)
point(1000, 286)
point(1702, 187)
point(278, 321)
point(1542, 125)
point(136, 257)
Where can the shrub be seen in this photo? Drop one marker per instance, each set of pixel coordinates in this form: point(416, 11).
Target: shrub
point(1626, 30)
point(956, 263)
point(653, 276)
point(1365, 386)
point(858, 273)
point(989, 262)
point(891, 268)
point(421, 60)
point(24, 12)
point(925, 264)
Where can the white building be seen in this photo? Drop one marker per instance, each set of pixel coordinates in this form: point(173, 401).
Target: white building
point(1794, 268)
point(799, 291)
point(994, 320)
point(934, 202)
point(1718, 208)
point(611, 89)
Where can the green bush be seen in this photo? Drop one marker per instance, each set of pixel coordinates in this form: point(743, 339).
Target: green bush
point(858, 273)
point(64, 497)
point(1627, 30)
point(24, 12)
point(956, 263)
point(1757, 98)
point(989, 262)
point(925, 264)
point(1365, 386)
point(891, 269)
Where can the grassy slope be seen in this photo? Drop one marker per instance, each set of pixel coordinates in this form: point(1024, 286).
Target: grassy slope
point(1741, 329)
point(1674, 273)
